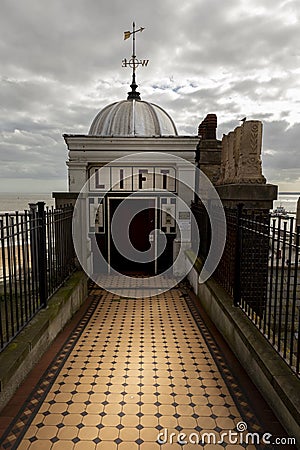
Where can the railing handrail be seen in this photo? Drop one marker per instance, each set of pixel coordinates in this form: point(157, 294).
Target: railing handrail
point(260, 270)
point(36, 257)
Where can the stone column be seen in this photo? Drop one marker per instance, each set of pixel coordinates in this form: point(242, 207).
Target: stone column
point(208, 152)
point(210, 158)
point(249, 168)
point(241, 179)
point(224, 161)
point(231, 166)
point(237, 148)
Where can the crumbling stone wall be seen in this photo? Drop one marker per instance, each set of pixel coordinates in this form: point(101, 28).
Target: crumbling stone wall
point(208, 151)
point(241, 155)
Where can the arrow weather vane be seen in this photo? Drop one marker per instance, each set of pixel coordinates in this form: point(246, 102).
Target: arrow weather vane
point(133, 62)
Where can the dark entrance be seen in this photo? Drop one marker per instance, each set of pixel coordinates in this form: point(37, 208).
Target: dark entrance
point(140, 228)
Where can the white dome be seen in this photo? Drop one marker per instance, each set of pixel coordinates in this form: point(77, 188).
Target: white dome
point(133, 118)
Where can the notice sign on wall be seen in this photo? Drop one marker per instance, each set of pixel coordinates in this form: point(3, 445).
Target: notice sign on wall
point(184, 220)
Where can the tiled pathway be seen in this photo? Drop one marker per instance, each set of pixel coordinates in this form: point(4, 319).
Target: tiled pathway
point(132, 369)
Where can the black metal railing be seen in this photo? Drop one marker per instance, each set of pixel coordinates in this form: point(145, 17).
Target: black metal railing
point(260, 270)
point(36, 257)
point(280, 323)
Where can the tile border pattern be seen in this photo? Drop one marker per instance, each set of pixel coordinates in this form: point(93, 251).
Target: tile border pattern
point(239, 397)
point(18, 427)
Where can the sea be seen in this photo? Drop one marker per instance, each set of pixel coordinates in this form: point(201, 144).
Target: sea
point(11, 202)
point(288, 201)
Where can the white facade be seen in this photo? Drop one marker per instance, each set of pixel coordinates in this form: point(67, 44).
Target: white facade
point(88, 151)
point(158, 169)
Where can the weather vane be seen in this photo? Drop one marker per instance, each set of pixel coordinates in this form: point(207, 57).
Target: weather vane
point(133, 62)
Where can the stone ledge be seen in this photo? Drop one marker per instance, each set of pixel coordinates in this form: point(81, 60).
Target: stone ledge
point(272, 376)
point(19, 357)
point(251, 195)
point(244, 192)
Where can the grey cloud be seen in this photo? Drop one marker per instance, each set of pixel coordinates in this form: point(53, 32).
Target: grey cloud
point(282, 140)
point(61, 64)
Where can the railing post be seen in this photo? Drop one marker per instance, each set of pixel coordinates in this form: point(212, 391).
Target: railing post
point(237, 259)
point(42, 255)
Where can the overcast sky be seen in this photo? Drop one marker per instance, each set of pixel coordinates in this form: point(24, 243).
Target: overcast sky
point(60, 63)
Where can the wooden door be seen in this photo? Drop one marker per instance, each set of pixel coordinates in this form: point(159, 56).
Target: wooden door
point(141, 225)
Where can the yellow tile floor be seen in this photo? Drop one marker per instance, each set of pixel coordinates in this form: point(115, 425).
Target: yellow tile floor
point(139, 368)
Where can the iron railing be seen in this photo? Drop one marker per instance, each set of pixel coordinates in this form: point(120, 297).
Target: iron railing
point(260, 270)
point(36, 257)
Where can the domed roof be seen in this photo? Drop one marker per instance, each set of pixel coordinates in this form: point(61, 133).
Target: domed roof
point(132, 117)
